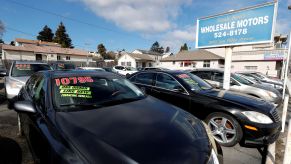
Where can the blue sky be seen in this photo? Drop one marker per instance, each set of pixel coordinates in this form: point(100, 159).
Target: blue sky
point(121, 24)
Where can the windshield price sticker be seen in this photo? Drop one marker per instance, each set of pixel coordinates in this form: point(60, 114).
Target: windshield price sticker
point(75, 91)
point(183, 76)
point(73, 80)
point(23, 66)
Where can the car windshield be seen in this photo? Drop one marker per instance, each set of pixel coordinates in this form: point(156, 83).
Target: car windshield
point(90, 92)
point(241, 80)
point(251, 81)
point(193, 81)
point(64, 66)
point(19, 70)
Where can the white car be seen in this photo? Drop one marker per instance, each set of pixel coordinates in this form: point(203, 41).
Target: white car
point(124, 70)
point(92, 68)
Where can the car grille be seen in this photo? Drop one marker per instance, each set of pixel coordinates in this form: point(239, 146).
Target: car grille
point(275, 115)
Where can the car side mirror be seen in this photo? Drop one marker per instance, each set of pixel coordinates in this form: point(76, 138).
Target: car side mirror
point(24, 106)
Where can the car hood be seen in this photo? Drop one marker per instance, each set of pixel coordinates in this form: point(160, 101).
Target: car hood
point(274, 81)
point(267, 87)
point(250, 102)
point(21, 79)
point(143, 131)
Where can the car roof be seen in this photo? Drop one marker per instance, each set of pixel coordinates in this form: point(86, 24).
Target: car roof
point(29, 62)
point(209, 69)
point(163, 71)
point(72, 73)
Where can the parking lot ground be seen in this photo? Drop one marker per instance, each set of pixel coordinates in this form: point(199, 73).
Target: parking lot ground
point(241, 155)
point(281, 142)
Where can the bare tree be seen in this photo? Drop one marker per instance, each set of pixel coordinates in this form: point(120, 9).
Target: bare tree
point(2, 29)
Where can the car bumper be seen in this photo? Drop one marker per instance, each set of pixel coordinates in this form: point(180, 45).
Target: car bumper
point(266, 134)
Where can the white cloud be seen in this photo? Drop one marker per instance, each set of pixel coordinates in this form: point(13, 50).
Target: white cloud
point(175, 38)
point(147, 16)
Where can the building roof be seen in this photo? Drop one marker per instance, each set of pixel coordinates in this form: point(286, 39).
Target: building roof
point(149, 52)
point(140, 56)
point(192, 56)
point(36, 42)
point(45, 49)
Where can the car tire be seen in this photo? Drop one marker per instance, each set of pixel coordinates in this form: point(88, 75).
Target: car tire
point(225, 129)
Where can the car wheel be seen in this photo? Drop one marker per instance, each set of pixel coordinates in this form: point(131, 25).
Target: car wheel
point(225, 129)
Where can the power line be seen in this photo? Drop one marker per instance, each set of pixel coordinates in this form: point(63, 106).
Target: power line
point(69, 18)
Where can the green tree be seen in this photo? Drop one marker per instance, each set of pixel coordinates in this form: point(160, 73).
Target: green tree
point(46, 34)
point(167, 49)
point(184, 47)
point(155, 47)
point(1, 41)
point(62, 37)
point(12, 43)
point(102, 51)
point(2, 29)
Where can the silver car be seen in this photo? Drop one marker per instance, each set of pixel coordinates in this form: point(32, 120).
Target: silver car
point(17, 76)
point(215, 77)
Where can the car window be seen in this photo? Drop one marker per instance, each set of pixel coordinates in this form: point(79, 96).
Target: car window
point(30, 85)
point(39, 92)
point(90, 92)
point(193, 81)
point(217, 76)
point(167, 82)
point(64, 66)
point(203, 74)
point(133, 78)
point(145, 78)
point(19, 70)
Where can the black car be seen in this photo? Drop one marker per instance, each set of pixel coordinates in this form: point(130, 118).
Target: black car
point(63, 66)
point(98, 117)
point(232, 117)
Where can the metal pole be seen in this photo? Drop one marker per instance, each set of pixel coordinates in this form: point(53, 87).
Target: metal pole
point(227, 67)
point(284, 113)
point(286, 67)
point(287, 156)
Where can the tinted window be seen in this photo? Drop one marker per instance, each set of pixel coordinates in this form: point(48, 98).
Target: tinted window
point(64, 66)
point(167, 82)
point(145, 78)
point(218, 76)
point(83, 93)
point(193, 81)
point(31, 84)
point(203, 74)
point(28, 69)
point(39, 92)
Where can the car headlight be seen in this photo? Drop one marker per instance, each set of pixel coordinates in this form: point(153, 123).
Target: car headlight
point(213, 158)
point(272, 94)
point(257, 117)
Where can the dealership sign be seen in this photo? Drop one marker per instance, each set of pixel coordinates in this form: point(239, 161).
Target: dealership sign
point(274, 56)
point(251, 25)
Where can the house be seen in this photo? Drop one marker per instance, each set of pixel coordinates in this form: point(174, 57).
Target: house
point(43, 51)
point(154, 55)
point(193, 59)
point(264, 58)
point(135, 60)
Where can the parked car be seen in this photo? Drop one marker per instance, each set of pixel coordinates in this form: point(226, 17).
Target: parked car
point(153, 68)
point(63, 66)
point(215, 77)
point(258, 84)
point(18, 74)
point(109, 69)
point(3, 72)
point(276, 83)
point(98, 117)
point(232, 117)
point(92, 68)
point(124, 70)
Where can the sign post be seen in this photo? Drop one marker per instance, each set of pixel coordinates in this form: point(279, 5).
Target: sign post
point(233, 28)
point(286, 67)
